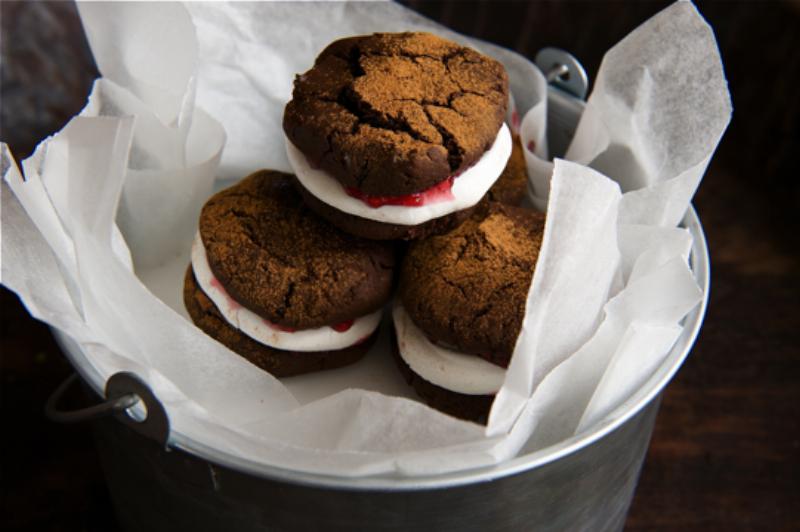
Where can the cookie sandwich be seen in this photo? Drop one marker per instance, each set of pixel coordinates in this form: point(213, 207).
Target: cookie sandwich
point(461, 305)
point(397, 135)
point(281, 287)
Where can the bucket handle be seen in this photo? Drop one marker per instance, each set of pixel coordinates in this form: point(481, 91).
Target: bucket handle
point(124, 390)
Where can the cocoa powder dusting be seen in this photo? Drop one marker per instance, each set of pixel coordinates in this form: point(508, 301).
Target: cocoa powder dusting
point(393, 114)
point(468, 287)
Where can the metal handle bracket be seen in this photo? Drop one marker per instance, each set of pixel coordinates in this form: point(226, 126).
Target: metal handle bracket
point(124, 391)
point(563, 71)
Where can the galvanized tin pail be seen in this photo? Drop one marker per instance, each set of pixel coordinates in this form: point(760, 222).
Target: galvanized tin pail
point(583, 483)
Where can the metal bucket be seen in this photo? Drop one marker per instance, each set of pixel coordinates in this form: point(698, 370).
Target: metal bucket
point(583, 483)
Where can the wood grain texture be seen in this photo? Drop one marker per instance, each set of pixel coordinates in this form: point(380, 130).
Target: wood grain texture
point(725, 454)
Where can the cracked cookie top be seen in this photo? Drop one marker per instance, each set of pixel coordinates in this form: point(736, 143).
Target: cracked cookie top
point(467, 289)
point(276, 258)
point(396, 113)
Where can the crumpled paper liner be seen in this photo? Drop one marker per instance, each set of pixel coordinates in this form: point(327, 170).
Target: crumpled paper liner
point(173, 141)
point(580, 353)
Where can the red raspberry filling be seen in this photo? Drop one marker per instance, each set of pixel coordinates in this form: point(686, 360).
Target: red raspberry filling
point(442, 191)
point(342, 327)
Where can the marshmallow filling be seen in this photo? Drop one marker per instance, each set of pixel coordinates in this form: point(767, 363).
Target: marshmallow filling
point(467, 188)
point(448, 369)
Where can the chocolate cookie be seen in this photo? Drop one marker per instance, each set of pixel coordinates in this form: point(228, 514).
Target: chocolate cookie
point(277, 259)
point(467, 288)
point(512, 184)
point(278, 362)
point(395, 114)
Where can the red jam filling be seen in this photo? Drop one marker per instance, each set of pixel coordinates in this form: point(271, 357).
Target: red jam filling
point(342, 327)
point(439, 192)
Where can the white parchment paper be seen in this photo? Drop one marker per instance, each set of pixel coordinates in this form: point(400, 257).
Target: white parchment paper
point(607, 298)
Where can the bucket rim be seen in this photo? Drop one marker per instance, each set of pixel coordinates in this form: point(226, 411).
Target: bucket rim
point(699, 261)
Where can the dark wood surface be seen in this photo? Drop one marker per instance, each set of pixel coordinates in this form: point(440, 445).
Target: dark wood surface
point(725, 453)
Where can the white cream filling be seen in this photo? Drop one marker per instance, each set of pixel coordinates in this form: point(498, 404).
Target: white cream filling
point(454, 371)
point(468, 188)
point(254, 326)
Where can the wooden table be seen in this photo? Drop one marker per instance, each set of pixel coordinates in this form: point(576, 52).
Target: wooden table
point(725, 454)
